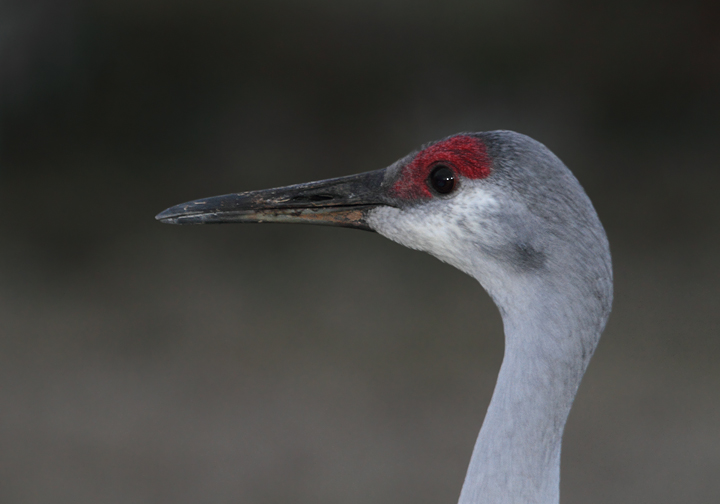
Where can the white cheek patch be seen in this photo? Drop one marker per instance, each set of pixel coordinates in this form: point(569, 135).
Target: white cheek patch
point(447, 228)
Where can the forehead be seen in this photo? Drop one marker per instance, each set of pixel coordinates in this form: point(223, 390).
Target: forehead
point(466, 154)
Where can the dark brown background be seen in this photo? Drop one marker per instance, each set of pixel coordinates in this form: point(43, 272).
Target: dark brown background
point(263, 364)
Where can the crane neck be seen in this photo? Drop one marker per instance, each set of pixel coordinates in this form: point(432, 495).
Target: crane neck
point(516, 458)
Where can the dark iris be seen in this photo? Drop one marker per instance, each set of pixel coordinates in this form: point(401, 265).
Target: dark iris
point(442, 179)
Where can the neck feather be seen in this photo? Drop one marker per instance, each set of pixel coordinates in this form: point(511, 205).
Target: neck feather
point(517, 455)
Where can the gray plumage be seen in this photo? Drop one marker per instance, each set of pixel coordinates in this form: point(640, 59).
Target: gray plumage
point(530, 235)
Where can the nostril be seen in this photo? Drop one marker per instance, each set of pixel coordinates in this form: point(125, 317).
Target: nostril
point(321, 197)
point(313, 197)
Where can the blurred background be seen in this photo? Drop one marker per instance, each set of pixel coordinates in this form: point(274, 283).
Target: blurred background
point(269, 364)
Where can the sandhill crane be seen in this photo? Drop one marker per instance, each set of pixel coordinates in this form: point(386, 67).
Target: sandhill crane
point(504, 209)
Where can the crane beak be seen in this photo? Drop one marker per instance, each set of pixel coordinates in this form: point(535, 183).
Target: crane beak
point(342, 201)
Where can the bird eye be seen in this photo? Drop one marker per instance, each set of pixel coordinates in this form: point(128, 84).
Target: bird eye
point(442, 179)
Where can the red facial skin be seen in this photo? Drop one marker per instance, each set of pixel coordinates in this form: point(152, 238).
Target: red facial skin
point(466, 156)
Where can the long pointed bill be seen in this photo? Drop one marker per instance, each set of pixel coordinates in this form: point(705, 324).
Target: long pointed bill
point(342, 201)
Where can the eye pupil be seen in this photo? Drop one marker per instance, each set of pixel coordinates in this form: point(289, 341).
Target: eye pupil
point(442, 179)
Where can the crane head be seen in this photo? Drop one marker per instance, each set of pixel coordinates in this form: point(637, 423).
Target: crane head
point(497, 205)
